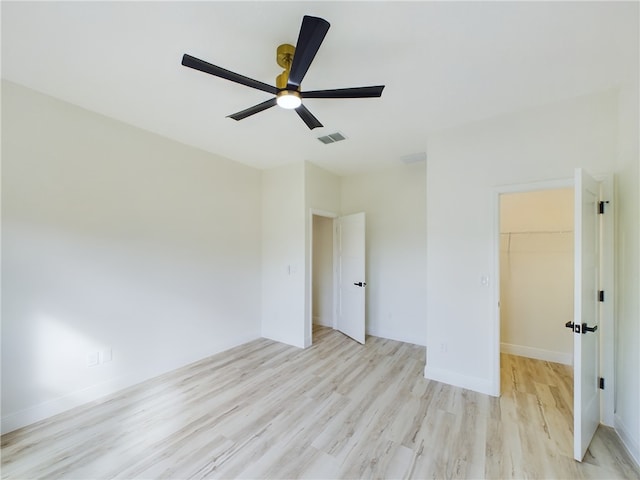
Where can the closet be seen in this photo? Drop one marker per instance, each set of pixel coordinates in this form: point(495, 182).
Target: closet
point(536, 274)
point(322, 271)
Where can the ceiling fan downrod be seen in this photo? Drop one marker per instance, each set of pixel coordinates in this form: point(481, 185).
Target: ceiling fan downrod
point(286, 98)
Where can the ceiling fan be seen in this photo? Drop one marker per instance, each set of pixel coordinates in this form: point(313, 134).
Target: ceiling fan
point(295, 61)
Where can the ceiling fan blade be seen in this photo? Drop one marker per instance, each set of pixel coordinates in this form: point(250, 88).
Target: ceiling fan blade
point(253, 110)
point(197, 64)
point(308, 118)
point(312, 33)
point(356, 92)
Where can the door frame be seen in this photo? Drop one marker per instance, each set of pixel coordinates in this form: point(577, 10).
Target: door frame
point(308, 324)
point(607, 336)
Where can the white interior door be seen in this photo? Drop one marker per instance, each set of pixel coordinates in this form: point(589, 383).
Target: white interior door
point(351, 276)
point(586, 337)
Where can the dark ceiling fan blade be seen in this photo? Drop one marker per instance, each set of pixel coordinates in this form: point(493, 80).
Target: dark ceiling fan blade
point(312, 33)
point(308, 118)
point(197, 64)
point(253, 110)
point(356, 92)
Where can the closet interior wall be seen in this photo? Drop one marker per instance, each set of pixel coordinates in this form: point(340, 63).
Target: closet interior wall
point(536, 274)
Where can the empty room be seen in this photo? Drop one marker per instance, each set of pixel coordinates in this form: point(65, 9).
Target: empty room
point(320, 240)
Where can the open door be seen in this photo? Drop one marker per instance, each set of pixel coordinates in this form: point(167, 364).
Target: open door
point(586, 337)
point(351, 276)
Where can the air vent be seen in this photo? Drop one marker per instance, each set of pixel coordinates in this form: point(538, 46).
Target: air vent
point(332, 138)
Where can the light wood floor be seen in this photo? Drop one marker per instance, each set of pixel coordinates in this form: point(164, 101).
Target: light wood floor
point(335, 410)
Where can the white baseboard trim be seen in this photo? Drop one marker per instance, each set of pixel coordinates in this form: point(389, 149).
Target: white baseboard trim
point(33, 414)
point(476, 384)
point(398, 338)
point(631, 445)
point(287, 340)
point(325, 322)
point(537, 353)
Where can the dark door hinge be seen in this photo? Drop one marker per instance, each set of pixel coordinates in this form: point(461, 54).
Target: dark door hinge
point(601, 296)
point(601, 207)
point(601, 383)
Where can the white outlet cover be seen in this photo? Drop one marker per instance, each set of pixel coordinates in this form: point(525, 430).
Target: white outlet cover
point(107, 355)
point(93, 359)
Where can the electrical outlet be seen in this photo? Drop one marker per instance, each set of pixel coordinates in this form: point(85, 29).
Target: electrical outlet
point(107, 355)
point(93, 359)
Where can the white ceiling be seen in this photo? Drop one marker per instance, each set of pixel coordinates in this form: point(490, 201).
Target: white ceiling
point(443, 64)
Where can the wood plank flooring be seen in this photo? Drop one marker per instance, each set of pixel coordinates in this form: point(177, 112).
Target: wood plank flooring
point(335, 410)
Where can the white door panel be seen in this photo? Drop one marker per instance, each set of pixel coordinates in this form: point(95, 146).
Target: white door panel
point(586, 393)
point(351, 308)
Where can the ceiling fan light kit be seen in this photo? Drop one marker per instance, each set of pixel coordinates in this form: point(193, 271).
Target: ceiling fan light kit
point(288, 99)
point(295, 61)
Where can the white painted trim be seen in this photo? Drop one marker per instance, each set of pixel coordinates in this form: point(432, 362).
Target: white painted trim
point(481, 385)
point(323, 213)
point(535, 186)
point(627, 440)
point(336, 272)
point(35, 413)
point(392, 336)
point(495, 304)
point(607, 308)
point(325, 322)
point(537, 353)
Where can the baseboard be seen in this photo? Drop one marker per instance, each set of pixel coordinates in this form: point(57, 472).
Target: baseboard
point(286, 339)
point(476, 384)
point(630, 444)
point(322, 321)
point(42, 411)
point(537, 353)
point(398, 338)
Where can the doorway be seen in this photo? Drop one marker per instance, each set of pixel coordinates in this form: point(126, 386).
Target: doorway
point(592, 326)
point(322, 272)
point(336, 279)
point(536, 288)
point(536, 274)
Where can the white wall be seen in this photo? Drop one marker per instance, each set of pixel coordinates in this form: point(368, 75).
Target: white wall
point(536, 274)
point(464, 167)
point(283, 254)
point(115, 238)
point(627, 415)
point(322, 284)
point(394, 202)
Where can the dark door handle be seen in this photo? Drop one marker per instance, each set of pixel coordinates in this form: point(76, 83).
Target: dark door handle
point(569, 324)
point(360, 284)
point(586, 329)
